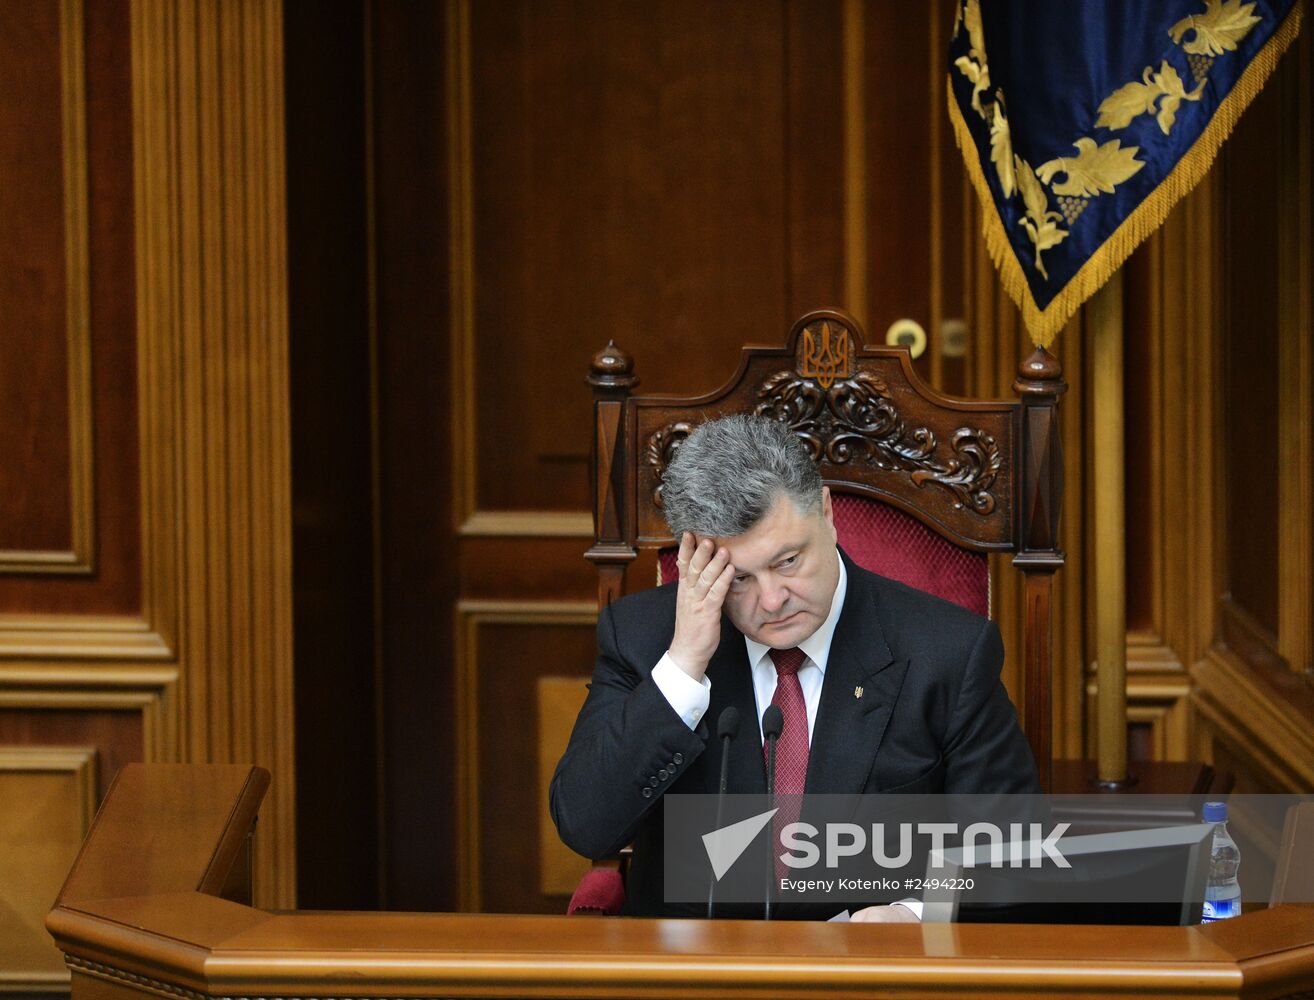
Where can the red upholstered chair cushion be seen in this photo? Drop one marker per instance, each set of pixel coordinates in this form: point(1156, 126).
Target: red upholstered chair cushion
point(887, 541)
point(600, 891)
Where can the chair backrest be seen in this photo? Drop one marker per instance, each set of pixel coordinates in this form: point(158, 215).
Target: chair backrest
point(1293, 879)
point(927, 485)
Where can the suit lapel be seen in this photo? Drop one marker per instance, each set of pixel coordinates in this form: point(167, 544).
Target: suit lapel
point(857, 697)
point(732, 684)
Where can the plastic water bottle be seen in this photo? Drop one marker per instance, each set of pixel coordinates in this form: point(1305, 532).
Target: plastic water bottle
point(1222, 891)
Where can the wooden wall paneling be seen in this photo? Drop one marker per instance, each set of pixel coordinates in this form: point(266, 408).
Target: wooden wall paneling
point(815, 156)
point(332, 364)
point(491, 568)
point(208, 128)
point(603, 143)
point(1252, 429)
point(900, 168)
point(1187, 266)
point(996, 342)
point(1193, 526)
point(120, 613)
point(905, 244)
point(50, 796)
point(1172, 296)
point(854, 33)
point(85, 657)
point(460, 224)
point(1255, 710)
point(1295, 358)
point(1158, 276)
point(951, 242)
point(1158, 715)
point(1258, 714)
point(32, 509)
point(82, 365)
point(559, 701)
point(503, 649)
point(1071, 626)
point(1184, 284)
point(1143, 294)
point(126, 713)
point(412, 299)
point(670, 176)
point(937, 38)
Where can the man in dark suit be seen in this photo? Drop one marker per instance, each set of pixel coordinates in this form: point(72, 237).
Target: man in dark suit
point(883, 688)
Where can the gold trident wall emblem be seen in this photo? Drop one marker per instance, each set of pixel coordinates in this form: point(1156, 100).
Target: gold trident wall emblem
point(825, 355)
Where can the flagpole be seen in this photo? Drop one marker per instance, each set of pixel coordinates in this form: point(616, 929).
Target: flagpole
point(1106, 312)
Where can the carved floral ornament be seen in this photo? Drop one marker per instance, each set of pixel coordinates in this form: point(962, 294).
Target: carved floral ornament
point(855, 419)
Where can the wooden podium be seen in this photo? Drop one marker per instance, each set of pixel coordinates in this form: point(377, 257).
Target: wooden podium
point(155, 906)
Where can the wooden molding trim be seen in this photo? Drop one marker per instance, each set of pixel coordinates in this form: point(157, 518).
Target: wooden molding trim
point(1246, 637)
point(146, 688)
point(1147, 651)
point(528, 524)
point(460, 172)
point(1258, 713)
point(1159, 698)
point(80, 637)
point(470, 617)
point(137, 984)
point(78, 762)
point(79, 557)
point(207, 82)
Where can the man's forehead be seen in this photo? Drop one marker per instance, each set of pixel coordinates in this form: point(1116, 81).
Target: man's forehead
point(783, 529)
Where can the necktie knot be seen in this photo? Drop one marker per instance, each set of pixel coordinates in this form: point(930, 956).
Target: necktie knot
point(787, 661)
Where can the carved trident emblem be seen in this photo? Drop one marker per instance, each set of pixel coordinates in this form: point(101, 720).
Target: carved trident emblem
point(825, 355)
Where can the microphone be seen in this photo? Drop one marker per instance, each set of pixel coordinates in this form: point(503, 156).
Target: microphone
point(773, 722)
point(727, 726)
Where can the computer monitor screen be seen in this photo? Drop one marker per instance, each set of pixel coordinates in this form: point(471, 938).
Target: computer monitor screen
point(1154, 876)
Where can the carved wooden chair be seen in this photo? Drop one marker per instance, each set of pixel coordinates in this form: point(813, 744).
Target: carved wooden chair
point(924, 486)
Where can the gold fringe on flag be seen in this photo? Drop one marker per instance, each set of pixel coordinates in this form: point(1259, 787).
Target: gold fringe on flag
point(1044, 324)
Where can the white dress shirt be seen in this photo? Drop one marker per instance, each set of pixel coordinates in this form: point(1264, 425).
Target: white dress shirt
point(690, 698)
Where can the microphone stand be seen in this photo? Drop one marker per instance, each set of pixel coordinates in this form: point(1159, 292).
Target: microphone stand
point(727, 725)
point(773, 721)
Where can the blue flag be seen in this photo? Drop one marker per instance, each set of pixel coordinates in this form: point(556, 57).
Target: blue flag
point(1082, 122)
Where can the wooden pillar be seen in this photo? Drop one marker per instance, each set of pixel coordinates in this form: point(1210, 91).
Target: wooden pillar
point(207, 80)
point(1039, 383)
point(612, 377)
point(1110, 533)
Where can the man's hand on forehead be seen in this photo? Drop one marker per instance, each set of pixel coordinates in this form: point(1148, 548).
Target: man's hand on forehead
point(705, 575)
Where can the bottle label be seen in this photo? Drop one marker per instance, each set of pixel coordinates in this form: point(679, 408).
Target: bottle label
point(1221, 909)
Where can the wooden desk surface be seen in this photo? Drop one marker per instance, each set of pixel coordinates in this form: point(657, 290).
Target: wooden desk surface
point(172, 941)
point(213, 947)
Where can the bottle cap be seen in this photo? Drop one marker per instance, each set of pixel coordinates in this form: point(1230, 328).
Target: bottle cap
point(1215, 812)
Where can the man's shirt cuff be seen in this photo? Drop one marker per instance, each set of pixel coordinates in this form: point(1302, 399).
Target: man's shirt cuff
point(687, 696)
point(912, 904)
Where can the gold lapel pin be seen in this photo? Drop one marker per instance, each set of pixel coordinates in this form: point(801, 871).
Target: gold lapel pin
point(857, 692)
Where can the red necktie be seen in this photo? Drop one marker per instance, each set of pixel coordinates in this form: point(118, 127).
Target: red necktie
point(792, 745)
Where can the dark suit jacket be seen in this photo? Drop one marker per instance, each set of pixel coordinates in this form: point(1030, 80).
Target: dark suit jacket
point(933, 717)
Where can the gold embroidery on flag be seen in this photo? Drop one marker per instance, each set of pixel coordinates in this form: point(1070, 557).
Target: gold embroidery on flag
point(1040, 221)
point(1218, 29)
point(1001, 151)
point(1093, 170)
point(973, 66)
point(1160, 92)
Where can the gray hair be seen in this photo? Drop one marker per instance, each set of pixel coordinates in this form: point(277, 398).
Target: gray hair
point(729, 473)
